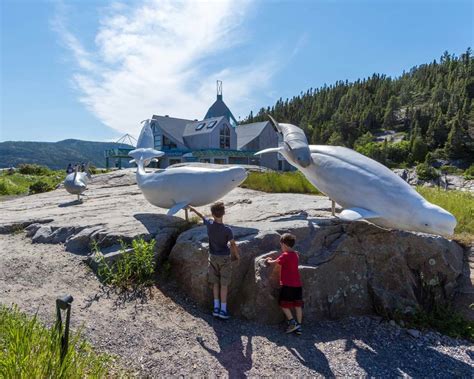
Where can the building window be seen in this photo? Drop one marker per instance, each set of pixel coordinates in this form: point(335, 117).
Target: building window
point(219, 161)
point(200, 125)
point(211, 124)
point(157, 141)
point(224, 137)
point(205, 160)
point(168, 144)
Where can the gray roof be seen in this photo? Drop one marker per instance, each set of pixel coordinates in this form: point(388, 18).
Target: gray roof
point(219, 108)
point(190, 128)
point(172, 126)
point(248, 132)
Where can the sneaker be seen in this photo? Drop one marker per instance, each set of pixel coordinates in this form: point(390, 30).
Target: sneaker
point(223, 315)
point(299, 330)
point(215, 312)
point(292, 326)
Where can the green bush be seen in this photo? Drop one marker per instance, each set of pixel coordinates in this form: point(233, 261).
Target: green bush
point(469, 173)
point(426, 172)
point(33, 169)
point(40, 186)
point(8, 187)
point(30, 350)
point(132, 269)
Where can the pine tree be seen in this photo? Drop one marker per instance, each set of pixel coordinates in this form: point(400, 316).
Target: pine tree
point(389, 118)
point(459, 143)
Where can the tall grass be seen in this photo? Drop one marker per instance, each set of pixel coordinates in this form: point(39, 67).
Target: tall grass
point(460, 204)
point(22, 184)
point(132, 269)
point(275, 182)
point(30, 350)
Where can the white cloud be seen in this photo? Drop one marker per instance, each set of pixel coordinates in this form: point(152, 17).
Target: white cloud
point(159, 57)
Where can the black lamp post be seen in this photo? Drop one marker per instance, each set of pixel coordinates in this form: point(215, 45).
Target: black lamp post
point(63, 303)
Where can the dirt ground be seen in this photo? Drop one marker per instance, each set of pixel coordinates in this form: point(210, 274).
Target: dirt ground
point(162, 333)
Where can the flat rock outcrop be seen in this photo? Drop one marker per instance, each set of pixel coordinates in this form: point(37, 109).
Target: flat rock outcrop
point(347, 268)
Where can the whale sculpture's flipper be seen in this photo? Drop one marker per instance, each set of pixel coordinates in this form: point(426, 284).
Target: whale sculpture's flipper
point(270, 150)
point(354, 214)
point(177, 207)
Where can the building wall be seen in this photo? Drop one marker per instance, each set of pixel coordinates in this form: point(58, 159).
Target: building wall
point(211, 139)
point(158, 131)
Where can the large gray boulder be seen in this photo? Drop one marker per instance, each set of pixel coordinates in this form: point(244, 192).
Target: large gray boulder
point(346, 268)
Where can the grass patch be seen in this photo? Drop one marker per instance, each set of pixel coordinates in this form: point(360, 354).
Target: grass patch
point(35, 180)
point(275, 182)
point(133, 269)
point(443, 319)
point(28, 349)
point(460, 204)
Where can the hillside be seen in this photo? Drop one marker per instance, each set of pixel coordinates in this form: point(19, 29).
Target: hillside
point(55, 155)
point(429, 108)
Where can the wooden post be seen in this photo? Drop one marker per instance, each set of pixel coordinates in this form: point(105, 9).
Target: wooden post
point(186, 213)
point(333, 207)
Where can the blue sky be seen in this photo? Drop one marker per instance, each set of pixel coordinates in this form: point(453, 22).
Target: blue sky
point(93, 70)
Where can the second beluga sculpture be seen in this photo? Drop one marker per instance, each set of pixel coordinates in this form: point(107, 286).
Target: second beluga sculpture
point(365, 188)
point(175, 188)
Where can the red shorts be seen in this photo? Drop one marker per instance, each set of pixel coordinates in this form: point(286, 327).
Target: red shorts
point(291, 297)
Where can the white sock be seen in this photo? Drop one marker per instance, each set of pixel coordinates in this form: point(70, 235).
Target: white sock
point(224, 307)
point(216, 303)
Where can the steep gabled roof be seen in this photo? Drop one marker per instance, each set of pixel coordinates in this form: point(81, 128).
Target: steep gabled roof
point(219, 108)
point(172, 126)
point(246, 133)
point(190, 128)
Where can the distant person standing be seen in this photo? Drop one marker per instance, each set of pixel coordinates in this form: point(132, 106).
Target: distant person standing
point(83, 167)
point(69, 169)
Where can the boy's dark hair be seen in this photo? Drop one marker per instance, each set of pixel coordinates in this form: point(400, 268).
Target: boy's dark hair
point(218, 209)
point(288, 239)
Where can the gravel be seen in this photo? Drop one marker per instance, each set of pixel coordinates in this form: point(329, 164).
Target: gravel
point(161, 333)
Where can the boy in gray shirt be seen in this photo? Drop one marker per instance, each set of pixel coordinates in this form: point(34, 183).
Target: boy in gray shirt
point(220, 267)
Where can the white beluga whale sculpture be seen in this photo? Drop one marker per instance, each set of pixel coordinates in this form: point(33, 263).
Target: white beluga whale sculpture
point(76, 182)
point(175, 188)
point(364, 188)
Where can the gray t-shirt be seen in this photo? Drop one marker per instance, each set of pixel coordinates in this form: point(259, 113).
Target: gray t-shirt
point(219, 236)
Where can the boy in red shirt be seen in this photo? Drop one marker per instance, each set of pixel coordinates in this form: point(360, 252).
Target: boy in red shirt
point(291, 292)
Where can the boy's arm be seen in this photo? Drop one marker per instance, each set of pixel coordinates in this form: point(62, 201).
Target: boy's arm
point(271, 261)
point(234, 250)
point(199, 214)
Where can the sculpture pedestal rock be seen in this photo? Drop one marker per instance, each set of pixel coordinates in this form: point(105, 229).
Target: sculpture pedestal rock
point(347, 269)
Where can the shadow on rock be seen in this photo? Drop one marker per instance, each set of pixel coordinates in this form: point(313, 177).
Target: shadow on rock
point(70, 204)
point(154, 222)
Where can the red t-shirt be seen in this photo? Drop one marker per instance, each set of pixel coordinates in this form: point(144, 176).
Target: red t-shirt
point(289, 275)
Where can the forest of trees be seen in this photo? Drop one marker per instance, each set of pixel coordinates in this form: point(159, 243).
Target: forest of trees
point(430, 108)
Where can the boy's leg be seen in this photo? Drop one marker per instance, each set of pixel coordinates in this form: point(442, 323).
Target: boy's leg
point(287, 313)
point(299, 314)
point(224, 289)
point(215, 291)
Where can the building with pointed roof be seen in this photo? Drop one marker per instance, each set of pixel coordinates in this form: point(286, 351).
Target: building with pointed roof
point(216, 139)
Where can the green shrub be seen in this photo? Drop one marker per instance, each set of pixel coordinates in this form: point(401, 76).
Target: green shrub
point(8, 187)
point(30, 350)
point(426, 172)
point(469, 173)
point(132, 269)
point(33, 169)
point(40, 186)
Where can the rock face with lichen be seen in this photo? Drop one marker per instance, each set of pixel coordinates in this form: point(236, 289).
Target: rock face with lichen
point(347, 268)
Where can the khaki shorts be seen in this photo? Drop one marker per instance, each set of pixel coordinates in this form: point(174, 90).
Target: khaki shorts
point(220, 269)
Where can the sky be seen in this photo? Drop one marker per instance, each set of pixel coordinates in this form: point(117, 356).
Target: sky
point(93, 70)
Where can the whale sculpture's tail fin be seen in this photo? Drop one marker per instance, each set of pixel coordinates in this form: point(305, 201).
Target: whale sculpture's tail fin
point(145, 153)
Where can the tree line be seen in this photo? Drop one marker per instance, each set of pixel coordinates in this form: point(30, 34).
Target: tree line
point(429, 109)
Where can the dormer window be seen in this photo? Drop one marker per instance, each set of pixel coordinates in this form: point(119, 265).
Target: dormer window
point(211, 124)
point(224, 137)
point(200, 125)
